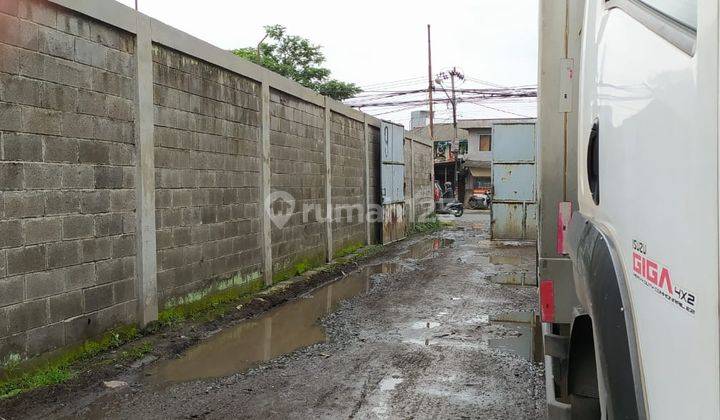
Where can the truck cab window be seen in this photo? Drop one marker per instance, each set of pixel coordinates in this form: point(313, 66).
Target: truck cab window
point(674, 20)
point(682, 11)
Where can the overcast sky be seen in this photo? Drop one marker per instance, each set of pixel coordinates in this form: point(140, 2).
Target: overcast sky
point(373, 42)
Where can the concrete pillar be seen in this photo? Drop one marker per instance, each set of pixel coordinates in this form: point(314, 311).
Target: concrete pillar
point(366, 154)
point(264, 151)
point(146, 264)
point(328, 184)
point(413, 217)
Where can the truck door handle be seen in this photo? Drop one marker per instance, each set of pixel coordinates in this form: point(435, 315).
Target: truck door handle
point(593, 162)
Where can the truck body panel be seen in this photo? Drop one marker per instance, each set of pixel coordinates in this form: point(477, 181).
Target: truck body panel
point(655, 103)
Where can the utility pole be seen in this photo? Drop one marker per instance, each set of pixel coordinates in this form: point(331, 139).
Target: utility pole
point(258, 47)
point(452, 74)
point(430, 86)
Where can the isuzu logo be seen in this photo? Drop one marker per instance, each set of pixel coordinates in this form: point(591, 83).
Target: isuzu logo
point(657, 276)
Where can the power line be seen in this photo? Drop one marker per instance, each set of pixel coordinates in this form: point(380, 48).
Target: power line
point(501, 110)
point(393, 83)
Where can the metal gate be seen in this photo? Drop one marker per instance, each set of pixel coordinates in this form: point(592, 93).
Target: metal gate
point(514, 207)
point(392, 179)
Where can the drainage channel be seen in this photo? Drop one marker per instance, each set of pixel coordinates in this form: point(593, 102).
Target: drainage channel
point(279, 331)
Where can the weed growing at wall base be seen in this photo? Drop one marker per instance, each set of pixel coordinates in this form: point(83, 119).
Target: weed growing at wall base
point(210, 303)
point(60, 368)
point(431, 224)
point(348, 250)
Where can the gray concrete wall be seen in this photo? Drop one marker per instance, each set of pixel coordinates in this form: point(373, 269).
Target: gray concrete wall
point(423, 179)
point(206, 173)
point(297, 166)
point(67, 246)
point(347, 180)
point(105, 111)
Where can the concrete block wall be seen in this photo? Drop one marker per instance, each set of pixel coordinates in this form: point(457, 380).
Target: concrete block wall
point(423, 180)
point(374, 180)
point(67, 244)
point(134, 162)
point(297, 167)
point(206, 173)
point(347, 181)
point(407, 177)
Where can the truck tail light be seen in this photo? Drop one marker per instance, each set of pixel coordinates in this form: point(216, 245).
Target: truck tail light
point(547, 301)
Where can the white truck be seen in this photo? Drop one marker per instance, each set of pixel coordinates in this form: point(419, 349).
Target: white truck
point(628, 246)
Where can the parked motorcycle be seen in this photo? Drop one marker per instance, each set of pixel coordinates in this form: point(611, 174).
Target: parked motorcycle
point(480, 201)
point(455, 208)
point(445, 202)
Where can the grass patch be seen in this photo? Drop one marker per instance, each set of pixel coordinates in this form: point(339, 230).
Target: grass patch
point(60, 368)
point(136, 352)
point(349, 249)
point(210, 306)
point(303, 266)
point(432, 224)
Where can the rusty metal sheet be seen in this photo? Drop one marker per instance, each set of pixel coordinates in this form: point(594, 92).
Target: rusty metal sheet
point(514, 221)
point(513, 182)
point(531, 221)
point(508, 221)
point(392, 172)
point(392, 138)
point(393, 222)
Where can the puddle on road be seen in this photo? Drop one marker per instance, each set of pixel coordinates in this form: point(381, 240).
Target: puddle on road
point(495, 259)
point(505, 260)
point(389, 384)
point(425, 247)
point(514, 279)
point(522, 335)
point(279, 331)
point(419, 325)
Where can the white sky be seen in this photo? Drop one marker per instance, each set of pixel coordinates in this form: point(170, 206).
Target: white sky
point(372, 42)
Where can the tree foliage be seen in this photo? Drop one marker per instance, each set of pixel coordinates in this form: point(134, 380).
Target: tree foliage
point(299, 59)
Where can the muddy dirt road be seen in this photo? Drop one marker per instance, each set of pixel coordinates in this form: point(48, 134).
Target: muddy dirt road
point(433, 330)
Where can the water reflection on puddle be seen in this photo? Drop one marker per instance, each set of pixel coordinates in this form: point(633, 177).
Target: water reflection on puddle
point(505, 260)
point(514, 279)
point(496, 260)
point(419, 325)
point(277, 332)
point(521, 332)
point(426, 247)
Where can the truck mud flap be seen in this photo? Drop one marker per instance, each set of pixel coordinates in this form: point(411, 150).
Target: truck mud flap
point(554, 350)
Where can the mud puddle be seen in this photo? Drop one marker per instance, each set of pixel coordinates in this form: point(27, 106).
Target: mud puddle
point(517, 333)
point(279, 331)
point(427, 247)
point(514, 279)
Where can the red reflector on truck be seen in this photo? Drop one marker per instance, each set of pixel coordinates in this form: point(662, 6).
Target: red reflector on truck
point(547, 301)
point(563, 221)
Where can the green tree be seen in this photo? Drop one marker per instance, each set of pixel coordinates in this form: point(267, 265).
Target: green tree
point(299, 59)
